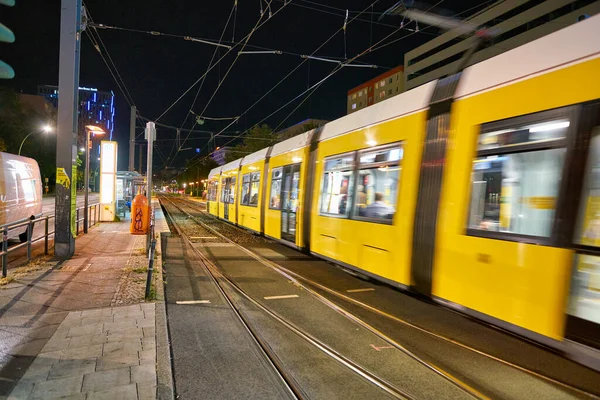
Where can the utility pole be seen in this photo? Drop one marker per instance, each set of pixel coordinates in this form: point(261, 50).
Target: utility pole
point(66, 143)
point(132, 139)
point(150, 137)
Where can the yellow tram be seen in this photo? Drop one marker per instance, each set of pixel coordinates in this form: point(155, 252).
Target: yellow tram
point(480, 190)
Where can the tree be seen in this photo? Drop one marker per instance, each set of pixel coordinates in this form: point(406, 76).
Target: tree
point(17, 120)
point(256, 139)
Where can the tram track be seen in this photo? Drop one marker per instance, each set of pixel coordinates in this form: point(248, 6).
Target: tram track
point(218, 277)
point(314, 286)
point(386, 386)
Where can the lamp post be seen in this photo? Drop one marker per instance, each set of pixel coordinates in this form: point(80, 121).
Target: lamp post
point(46, 128)
point(191, 189)
point(96, 130)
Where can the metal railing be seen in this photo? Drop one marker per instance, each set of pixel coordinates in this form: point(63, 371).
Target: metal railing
point(93, 219)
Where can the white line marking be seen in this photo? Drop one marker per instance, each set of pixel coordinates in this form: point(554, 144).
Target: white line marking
point(87, 266)
point(360, 290)
point(287, 296)
point(203, 237)
point(193, 302)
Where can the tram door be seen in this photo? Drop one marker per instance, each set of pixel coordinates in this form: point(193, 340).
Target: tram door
point(583, 312)
point(227, 197)
point(289, 197)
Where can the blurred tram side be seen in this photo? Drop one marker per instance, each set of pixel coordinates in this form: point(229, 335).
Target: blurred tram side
point(479, 190)
point(20, 191)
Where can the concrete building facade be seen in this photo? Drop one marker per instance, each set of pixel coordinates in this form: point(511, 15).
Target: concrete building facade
point(516, 21)
point(381, 87)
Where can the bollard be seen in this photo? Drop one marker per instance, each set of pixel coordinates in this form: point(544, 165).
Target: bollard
point(4, 251)
point(29, 236)
point(150, 268)
point(46, 236)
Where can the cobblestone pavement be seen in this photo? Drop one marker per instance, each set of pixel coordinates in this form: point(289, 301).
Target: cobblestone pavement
point(33, 305)
point(106, 353)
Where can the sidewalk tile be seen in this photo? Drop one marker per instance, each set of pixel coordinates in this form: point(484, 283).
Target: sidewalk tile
point(119, 325)
point(125, 346)
point(144, 374)
point(117, 361)
point(37, 372)
point(71, 368)
point(146, 391)
point(55, 344)
point(97, 312)
point(73, 315)
point(126, 332)
point(100, 380)
point(102, 319)
point(149, 332)
point(30, 348)
point(57, 388)
point(148, 357)
point(87, 340)
point(146, 323)
point(95, 329)
point(47, 358)
point(83, 353)
point(22, 390)
point(149, 343)
point(128, 392)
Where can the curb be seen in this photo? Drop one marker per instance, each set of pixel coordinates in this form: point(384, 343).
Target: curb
point(165, 389)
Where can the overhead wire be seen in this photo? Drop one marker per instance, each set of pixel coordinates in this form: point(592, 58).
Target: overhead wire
point(218, 61)
point(99, 45)
point(290, 73)
point(314, 87)
point(246, 40)
point(202, 82)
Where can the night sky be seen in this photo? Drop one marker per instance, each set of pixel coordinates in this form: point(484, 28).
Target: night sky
point(158, 69)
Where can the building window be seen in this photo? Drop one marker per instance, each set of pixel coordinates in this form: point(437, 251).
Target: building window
point(275, 202)
point(337, 185)
point(354, 96)
point(378, 183)
point(360, 103)
point(391, 80)
point(382, 95)
point(382, 83)
point(354, 106)
point(516, 176)
point(390, 92)
point(377, 85)
point(370, 89)
point(360, 94)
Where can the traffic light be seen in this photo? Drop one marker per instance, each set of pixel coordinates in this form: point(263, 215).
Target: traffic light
point(6, 35)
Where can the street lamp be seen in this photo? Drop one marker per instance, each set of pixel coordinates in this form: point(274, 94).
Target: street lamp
point(96, 130)
point(46, 128)
point(191, 188)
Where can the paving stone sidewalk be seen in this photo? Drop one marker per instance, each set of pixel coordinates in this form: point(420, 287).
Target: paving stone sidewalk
point(105, 353)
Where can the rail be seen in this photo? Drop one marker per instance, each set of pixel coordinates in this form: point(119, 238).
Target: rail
point(6, 229)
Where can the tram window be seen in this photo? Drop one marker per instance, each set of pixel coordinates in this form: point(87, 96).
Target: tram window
point(338, 180)
point(245, 189)
point(275, 200)
point(255, 184)
point(516, 178)
point(585, 282)
point(378, 182)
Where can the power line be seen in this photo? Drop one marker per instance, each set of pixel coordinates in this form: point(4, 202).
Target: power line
point(290, 73)
point(210, 64)
point(219, 60)
point(98, 43)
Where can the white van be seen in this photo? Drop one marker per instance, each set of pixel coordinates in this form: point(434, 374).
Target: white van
point(20, 191)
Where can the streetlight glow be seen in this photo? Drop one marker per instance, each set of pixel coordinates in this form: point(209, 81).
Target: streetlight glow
point(47, 128)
